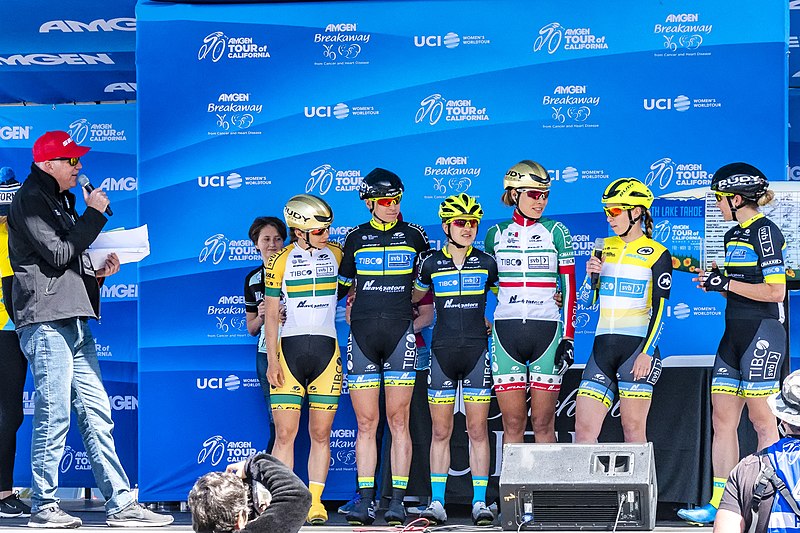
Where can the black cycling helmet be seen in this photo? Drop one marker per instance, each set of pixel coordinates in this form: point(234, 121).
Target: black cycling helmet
point(742, 179)
point(380, 183)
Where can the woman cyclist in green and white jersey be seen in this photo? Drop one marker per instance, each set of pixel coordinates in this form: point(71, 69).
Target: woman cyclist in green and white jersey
point(532, 343)
point(753, 346)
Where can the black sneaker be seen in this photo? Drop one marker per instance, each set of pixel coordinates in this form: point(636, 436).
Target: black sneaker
point(363, 514)
point(137, 515)
point(13, 507)
point(54, 518)
point(395, 515)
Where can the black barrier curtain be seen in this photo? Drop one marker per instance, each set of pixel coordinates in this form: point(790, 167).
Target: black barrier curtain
point(679, 426)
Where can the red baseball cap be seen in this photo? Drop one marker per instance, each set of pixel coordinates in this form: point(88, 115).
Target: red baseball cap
point(55, 144)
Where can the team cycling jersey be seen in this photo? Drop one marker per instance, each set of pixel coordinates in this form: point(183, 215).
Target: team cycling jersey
point(533, 258)
point(6, 272)
point(635, 280)
point(253, 295)
point(460, 294)
point(754, 254)
point(307, 278)
point(379, 259)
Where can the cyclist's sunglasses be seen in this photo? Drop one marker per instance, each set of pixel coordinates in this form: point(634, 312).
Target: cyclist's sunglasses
point(535, 194)
point(464, 222)
point(386, 202)
point(720, 195)
point(617, 211)
point(73, 161)
point(319, 231)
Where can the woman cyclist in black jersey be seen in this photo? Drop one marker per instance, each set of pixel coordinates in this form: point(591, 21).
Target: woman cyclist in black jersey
point(459, 276)
point(753, 345)
point(632, 285)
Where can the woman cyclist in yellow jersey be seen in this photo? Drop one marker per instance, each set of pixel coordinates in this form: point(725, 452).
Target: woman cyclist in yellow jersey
point(305, 357)
point(635, 276)
point(753, 346)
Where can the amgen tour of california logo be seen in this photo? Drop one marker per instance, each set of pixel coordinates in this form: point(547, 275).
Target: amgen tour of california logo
point(683, 34)
point(218, 247)
point(82, 130)
point(665, 172)
point(217, 448)
point(342, 44)
point(217, 45)
point(553, 35)
point(435, 106)
point(323, 177)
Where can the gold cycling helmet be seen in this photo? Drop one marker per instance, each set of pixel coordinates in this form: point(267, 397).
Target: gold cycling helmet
point(306, 212)
point(460, 206)
point(527, 174)
point(628, 191)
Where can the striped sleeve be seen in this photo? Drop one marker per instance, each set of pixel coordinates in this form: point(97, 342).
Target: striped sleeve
point(662, 282)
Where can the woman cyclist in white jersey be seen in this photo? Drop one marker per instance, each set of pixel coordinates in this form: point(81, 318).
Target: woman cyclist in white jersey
point(532, 343)
point(753, 346)
point(635, 276)
point(303, 356)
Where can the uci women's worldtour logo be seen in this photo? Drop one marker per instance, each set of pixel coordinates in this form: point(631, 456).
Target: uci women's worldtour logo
point(554, 36)
point(82, 130)
point(324, 177)
point(341, 44)
point(217, 449)
point(451, 175)
point(232, 181)
point(450, 40)
point(217, 45)
point(682, 35)
point(570, 106)
point(665, 173)
point(571, 174)
point(435, 106)
point(680, 103)
point(234, 114)
point(340, 111)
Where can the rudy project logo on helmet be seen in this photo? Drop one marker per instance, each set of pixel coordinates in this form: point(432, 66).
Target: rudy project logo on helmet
point(325, 176)
point(552, 36)
point(217, 45)
point(433, 107)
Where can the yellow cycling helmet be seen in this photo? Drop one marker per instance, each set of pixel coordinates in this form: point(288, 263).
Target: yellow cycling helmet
point(306, 212)
point(460, 206)
point(527, 174)
point(628, 191)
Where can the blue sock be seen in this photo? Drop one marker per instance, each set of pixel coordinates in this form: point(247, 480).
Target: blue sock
point(479, 484)
point(438, 484)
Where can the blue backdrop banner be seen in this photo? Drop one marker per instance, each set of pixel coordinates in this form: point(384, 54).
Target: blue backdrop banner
point(314, 96)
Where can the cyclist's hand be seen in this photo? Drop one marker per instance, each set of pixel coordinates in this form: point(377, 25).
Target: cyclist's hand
point(237, 469)
point(565, 356)
point(642, 366)
point(559, 298)
point(282, 311)
point(488, 327)
point(275, 373)
point(593, 265)
point(262, 310)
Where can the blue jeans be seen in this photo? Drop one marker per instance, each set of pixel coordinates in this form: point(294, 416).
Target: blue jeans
point(66, 373)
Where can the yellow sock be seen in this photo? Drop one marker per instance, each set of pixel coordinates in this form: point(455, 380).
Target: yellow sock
point(716, 492)
point(316, 489)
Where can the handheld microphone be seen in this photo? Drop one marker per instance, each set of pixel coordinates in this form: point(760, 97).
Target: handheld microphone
point(88, 187)
point(599, 244)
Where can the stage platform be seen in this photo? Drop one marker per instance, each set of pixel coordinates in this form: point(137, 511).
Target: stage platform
point(93, 518)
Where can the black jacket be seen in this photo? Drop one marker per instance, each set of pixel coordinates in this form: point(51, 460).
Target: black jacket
point(53, 277)
point(291, 499)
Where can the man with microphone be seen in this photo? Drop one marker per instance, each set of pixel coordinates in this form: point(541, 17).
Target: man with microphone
point(56, 289)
